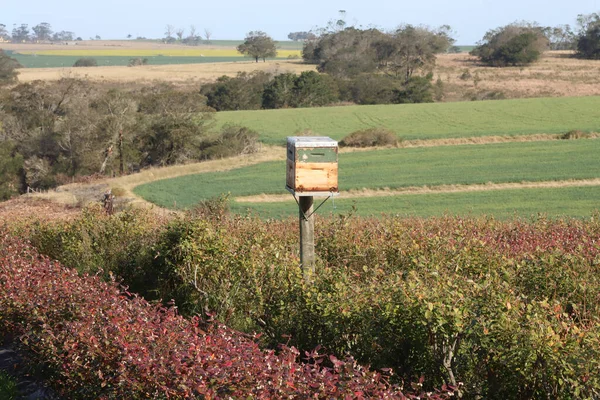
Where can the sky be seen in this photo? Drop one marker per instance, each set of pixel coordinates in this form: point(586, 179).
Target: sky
point(232, 19)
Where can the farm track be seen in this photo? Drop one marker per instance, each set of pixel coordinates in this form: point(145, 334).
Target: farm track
point(352, 194)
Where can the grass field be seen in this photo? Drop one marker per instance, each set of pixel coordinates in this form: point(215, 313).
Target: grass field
point(66, 60)
point(427, 121)
point(554, 202)
point(398, 168)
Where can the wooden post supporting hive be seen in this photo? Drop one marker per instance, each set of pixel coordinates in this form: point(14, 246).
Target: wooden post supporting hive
point(312, 171)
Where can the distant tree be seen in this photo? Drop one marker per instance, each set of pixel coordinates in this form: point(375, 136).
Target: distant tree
point(314, 90)
point(20, 34)
point(86, 62)
point(301, 36)
point(3, 32)
point(243, 92)
point(258, 44)
point(8, 69)
point(169, 30)
point(98, 37)
point(514, 44)
point(129, 36)
point(63, 36)
point(561, 37)
point(207, 35)
point(11, 164)
point(193, 38)
point(280, 92)
point(344, 54)
point(179, 32)
point(588, 42)
point(42, 32)
point(412, 48)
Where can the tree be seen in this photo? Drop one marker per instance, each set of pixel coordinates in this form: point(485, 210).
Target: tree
point(514, 44)
point(344, 54)
point(8, 67)
point(258, 44)
point(179, 32)
point(588, 42)
point(301, 36)
point(244, 92)
point(42, 31)
point(11, 164)
point(63, 36)
point(411, 48)
point(118, 116)
point(169, 29)
point(20, 34)
point(3, 32)
point(280, 93)
point(207, 35)
point(561, 37)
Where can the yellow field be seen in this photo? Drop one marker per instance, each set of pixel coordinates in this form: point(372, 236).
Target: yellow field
point(177, 73)
point(132, 52)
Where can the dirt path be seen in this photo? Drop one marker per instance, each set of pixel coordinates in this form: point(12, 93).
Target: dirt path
point(351, 194)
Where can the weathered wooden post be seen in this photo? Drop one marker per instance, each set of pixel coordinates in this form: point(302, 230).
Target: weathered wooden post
point(312, 171)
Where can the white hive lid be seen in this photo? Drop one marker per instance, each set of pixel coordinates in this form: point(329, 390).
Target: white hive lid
point(311, 141)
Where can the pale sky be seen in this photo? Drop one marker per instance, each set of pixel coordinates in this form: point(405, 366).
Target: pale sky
point(114, 19)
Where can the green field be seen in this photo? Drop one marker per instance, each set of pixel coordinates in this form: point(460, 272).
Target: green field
point(39, 61)
point(555, 202)
point(427, 121)
point(398, 168)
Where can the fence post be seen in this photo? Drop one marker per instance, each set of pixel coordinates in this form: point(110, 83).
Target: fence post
point(307, 237)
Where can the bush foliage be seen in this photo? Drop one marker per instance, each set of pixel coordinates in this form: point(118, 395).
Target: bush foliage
point(514, 44)
point(503, 309)
point(370, 138)
point(97, 340)
point(86, 62)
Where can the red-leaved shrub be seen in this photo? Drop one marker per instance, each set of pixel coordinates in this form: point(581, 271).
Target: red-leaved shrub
point(96, 340)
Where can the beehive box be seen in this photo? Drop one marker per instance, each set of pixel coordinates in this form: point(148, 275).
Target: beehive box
point(312, 165)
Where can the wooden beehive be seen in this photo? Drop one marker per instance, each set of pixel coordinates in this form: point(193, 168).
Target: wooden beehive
point(312, 165)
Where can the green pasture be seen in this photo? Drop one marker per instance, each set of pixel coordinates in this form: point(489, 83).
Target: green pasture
point(42, 61)
point(398, 168)
point(554, 202)
point(427, 121)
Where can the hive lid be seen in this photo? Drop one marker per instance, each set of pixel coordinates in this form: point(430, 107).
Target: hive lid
point(311, 141)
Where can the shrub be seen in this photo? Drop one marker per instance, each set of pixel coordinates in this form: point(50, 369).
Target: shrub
point(510, 309)
point(96, 340)
point(8, 387)
point(370, 138)
point(575, 134)
point(588, 42)
point(134, 62)
point(233, 140)
point(8, 69)
point(86, 62)
point(514, 44)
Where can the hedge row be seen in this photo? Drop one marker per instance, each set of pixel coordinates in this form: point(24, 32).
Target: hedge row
point(507, 309)
point(97, 340)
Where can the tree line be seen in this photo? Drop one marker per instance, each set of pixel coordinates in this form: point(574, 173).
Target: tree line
point(522, 43)
point(41, 32)
point(52, 132)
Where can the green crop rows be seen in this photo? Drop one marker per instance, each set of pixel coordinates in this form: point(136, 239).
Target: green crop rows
point(565, 201)
point(427, 121)
point(398, 168)
point(39, 61)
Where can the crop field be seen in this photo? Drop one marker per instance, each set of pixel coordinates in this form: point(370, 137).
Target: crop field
point(552, 202)
point(58, 61)
point(429, 167)
point(427, 121)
